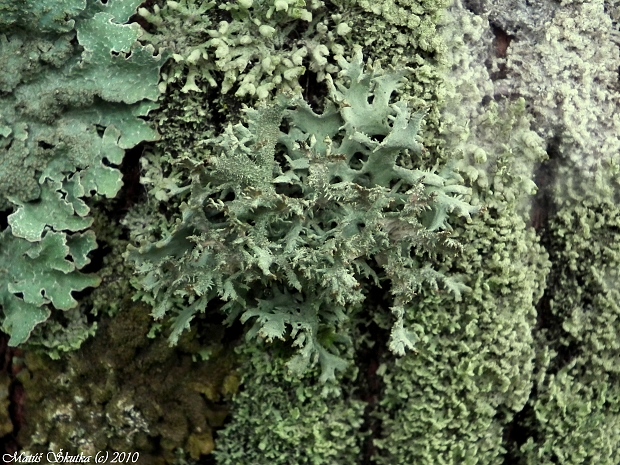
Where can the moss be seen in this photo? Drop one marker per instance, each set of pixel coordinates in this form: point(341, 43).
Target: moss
point(123, 391)
point(200, 444)
point(6, 424)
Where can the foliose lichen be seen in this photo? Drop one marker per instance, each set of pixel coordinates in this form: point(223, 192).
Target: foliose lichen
point(283, 227)
point(80, 85)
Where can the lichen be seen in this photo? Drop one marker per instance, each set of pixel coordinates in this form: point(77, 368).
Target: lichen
point(275, 217)
point(258, 47)
point(301, 421)
point(81, 84)
point(452, 401)
point(575, 417)
point(568, 73)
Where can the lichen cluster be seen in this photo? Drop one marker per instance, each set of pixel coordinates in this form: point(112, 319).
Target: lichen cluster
point(79, 85)
point(290, 228)
point(295, 410)
point(453, 401)
point(575, 417)
point(406, 207)
point(251, 47)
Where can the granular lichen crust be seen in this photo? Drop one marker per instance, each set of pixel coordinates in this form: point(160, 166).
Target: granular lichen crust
point(282, 418)
point(575, 416)
point(452, 401)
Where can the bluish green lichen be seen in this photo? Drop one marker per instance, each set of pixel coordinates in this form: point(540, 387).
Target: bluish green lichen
point(285, 227)
point(73, 104)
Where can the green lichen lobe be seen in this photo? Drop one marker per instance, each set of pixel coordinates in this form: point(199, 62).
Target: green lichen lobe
point(82, 84)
